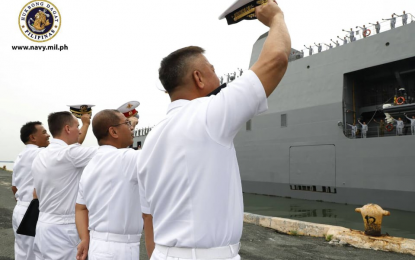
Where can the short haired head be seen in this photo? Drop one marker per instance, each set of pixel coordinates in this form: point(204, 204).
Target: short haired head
point(58, 120)
point(102, 121)
point(364, 123)
point(34, 133)
point(112, 127)
point(176, 65)
point(400, 118)
point(187, 74)
point(63, 125)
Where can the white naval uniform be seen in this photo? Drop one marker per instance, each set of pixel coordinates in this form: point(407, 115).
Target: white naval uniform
point(354, 130)
point(110, 190)
point(56, 172)
point(377, 27)
point(365, 128)
point(23, 180)
point(399, 126)
point(393, 22)
point(412, 125)
point(190, 172)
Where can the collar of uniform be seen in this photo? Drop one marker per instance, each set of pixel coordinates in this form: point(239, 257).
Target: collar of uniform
point(107, 147)
point(31, 146)
point(176, 104)
point(59, 142)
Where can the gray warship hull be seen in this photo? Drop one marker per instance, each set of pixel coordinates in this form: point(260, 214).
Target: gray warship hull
point(301, 147)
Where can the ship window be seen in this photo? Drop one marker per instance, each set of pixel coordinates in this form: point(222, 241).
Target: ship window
point(248, 125)
point(284, 120)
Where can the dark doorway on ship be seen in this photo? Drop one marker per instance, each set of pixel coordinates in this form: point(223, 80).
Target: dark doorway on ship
point(385, 92)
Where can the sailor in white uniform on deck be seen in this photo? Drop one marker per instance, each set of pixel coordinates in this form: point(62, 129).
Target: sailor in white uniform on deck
point(344, 39)
point(404, 18)
point(310, 50)
point(56, 172)
point(393, 21)
point(351, 32)
point(354, 130)
point(108, 202)
point(35, 137)
point(364, 129)
point(399, 125)
point(364, 30)
point(377, 27)
point(412, 123)
point(188, 166)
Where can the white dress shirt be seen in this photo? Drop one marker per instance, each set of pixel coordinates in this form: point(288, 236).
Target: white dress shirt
point(190, 171)
point(22, 173)
point(110, 190)
point(56, 172)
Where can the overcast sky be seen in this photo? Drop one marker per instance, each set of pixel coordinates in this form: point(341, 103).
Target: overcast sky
point(115, 49)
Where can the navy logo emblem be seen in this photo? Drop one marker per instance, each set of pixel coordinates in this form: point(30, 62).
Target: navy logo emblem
point(40, 21)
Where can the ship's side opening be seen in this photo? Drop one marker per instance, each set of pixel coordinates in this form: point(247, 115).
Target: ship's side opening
point(376, 96)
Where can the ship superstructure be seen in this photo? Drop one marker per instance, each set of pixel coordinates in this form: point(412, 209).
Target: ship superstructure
point(302, 146)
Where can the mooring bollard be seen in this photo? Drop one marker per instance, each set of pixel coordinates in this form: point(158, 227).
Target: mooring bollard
point(372, 217)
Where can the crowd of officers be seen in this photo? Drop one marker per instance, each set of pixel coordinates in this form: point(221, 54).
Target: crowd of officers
point(183, 188)
point(384, 126)
point(351, 37)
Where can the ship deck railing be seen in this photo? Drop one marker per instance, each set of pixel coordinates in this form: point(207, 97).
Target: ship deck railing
point(375, 132)
point(384, 26)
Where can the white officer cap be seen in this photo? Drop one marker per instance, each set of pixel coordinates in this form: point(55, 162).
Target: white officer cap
point(129, 109)
point(241, 10)
point(79, 110)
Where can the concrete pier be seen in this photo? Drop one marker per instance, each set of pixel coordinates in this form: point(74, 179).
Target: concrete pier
point(258, 243)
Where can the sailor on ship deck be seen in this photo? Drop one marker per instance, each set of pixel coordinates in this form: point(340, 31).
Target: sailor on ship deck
point(412, 123)
point(352, 38)
point(393, 21)
point(377, 27)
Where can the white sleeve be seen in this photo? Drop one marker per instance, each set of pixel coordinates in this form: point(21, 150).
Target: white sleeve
point(80, 198)
point(130, 159)
point(234, 106)
point(80, 156)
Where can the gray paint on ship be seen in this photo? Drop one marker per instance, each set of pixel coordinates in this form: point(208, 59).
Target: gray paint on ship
point(373, 170)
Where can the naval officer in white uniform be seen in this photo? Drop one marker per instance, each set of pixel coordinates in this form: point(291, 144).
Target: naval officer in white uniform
point(56, 172)
point(108, 211)
point(188, 165)
point(35, 137)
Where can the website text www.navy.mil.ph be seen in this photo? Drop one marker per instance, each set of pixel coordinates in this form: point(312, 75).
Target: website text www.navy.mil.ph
point(54, 47)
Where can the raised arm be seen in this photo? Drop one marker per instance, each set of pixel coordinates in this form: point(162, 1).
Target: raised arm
point(86, 121)
point(273, 60)
point(359, 123)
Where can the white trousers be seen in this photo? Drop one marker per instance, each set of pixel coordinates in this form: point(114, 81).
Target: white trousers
point(108, 250)
point(55, 241)
point(157, 255)
point(399, 130)
point(23, 245)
